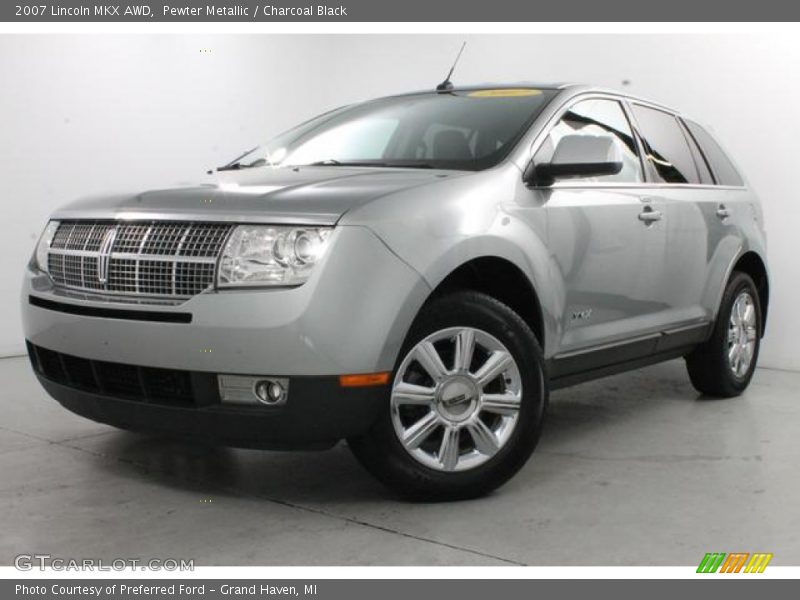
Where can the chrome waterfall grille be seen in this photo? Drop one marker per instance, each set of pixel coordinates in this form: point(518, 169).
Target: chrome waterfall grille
point(165, 259)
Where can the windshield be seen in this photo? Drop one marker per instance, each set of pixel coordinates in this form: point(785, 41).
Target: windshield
point(470, 130)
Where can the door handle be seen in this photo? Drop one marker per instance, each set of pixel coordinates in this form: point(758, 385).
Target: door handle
point(649, 216)
point(723, 212)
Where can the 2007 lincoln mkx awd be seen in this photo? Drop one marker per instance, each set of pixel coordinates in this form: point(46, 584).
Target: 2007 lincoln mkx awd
point(412, 274)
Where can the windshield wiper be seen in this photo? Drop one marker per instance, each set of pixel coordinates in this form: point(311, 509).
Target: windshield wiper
point(413, 165)
point(231, 167)
point(236, 164)
point(332, 162)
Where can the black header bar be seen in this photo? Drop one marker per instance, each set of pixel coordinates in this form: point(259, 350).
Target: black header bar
point(187, 11)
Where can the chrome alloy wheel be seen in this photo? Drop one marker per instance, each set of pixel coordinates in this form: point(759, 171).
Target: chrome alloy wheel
point(456, 399)
point(742, 332)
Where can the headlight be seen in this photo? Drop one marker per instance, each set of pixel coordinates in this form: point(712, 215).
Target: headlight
point(263, 255)
point(43, 247)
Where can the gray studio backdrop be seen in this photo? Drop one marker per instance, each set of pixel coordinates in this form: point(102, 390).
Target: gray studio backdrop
point(84, 114)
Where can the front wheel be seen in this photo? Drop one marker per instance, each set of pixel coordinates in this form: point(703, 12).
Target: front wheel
point(466, 404)
point(723, 366)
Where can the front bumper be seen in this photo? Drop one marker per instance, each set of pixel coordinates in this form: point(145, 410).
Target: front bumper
point(187, 404)
point(350, 317)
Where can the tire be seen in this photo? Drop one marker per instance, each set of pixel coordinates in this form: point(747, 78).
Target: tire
point(711, 369)
point(444, 465)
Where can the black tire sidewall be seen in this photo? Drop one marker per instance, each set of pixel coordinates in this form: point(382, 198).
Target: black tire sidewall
point(740, 283)
point(715, 351)
point(382, 452)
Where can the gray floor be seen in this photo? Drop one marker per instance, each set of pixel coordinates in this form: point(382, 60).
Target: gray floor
point(634, 469)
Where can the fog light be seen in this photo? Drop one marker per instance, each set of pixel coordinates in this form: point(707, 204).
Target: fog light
point(270, 391)
point(238, 389)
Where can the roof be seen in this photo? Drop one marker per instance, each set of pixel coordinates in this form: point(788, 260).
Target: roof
point(575, 88)
point(494, 85)
point(514, 85)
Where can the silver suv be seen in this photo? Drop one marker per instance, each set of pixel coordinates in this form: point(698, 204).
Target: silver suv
point(412, 274)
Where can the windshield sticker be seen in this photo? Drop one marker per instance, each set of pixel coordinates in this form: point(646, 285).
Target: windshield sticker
point(511, 93)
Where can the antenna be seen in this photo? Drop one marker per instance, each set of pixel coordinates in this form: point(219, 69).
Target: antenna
point(447, 85)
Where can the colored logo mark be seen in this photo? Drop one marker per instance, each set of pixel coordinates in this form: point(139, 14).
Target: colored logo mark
point(735, 562)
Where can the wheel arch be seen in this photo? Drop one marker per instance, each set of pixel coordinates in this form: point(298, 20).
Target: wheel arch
point(503, 280)
point(753, 265)
point(509, 267)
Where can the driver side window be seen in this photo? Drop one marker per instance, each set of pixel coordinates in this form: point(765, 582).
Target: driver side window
point(601, 118)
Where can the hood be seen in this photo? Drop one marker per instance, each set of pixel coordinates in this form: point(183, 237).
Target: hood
point(299, 195)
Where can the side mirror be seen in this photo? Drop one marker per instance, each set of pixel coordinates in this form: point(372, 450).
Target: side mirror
point(576, 156)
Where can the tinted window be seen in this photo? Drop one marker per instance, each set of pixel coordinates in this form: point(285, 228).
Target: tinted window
point(724, 171)
point(699, 160)
point(666, 148)
point(459, 130)
point(603, 118)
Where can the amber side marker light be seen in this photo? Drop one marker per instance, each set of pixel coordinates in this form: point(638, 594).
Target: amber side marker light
point(364, 380)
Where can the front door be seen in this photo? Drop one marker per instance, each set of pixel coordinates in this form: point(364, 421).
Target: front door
point(607, 237)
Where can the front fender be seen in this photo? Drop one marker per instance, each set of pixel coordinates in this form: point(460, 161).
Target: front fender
point(438, 228)
point(509, 238)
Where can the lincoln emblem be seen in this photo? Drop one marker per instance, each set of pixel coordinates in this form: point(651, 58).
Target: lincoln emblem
point(105, 254)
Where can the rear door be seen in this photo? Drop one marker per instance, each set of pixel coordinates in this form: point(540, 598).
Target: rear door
point(683, 185)
point(725, 207)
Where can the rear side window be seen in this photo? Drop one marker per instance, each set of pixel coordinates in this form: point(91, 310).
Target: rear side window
point(699, 160)
point(724, 171)
point(666, 148)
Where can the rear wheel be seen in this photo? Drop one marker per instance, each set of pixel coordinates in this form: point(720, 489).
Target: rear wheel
point(724, 365)
point(466, 404)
